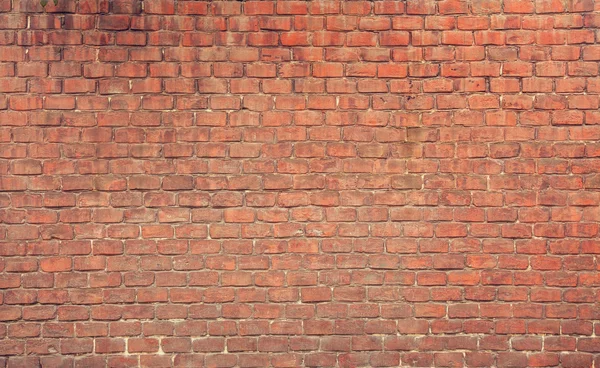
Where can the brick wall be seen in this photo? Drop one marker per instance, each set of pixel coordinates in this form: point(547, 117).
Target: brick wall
point(290, 183)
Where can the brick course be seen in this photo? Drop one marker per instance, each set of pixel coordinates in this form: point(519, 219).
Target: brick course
point(299, 183)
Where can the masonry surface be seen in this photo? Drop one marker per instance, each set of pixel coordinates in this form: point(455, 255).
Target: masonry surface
point(291, 183)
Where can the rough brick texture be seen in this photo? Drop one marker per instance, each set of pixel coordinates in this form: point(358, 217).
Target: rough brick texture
point(290, 183)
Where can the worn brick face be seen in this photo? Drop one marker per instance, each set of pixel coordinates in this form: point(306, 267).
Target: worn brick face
point(299, 183)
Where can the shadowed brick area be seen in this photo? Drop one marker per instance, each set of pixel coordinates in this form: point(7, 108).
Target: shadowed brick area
point(299, 183)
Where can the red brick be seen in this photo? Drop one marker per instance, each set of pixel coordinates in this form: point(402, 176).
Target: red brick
point(267, 196)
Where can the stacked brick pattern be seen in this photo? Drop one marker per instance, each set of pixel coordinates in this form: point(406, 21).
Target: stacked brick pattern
point(291, 183)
